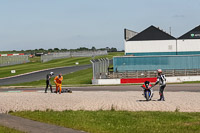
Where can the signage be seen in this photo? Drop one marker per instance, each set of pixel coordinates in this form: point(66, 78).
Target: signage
point(195, 35)
point(13, 71)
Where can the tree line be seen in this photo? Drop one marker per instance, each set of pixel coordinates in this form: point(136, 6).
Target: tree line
point(51, 50)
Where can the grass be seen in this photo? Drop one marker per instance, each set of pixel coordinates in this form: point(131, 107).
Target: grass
point(119, 121)
point(78, 78)
point(191, 82)
point(35, 64)
point(8, 130)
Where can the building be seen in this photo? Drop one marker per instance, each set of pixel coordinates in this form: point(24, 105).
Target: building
point(153, 49)
point(189, 43)
point(151, 41)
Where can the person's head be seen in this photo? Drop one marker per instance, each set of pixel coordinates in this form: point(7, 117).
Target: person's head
point(159, 71)
point(146, 83)
point(60, 75)
point(51, 73)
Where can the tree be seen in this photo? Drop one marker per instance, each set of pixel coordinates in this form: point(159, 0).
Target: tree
point(93, 48)
point(64, 49)
point(56, 49)
point(113, 50)
point(50, 50)
point(82, 48)
point(41, 49)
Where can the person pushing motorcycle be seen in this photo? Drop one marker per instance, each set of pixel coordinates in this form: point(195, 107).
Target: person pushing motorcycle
point(162, 81)
point(58, 81)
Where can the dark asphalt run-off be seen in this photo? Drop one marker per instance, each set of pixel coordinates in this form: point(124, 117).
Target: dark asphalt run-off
point(31, 126)
point(39, 75)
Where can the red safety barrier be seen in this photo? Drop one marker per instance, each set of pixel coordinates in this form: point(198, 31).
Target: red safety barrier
point(138, 80)
point(11, 54)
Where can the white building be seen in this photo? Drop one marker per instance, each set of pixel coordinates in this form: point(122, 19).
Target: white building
point(153, 41)
point(189, 43)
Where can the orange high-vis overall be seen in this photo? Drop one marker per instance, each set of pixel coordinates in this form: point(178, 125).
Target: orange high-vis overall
point(58, 82)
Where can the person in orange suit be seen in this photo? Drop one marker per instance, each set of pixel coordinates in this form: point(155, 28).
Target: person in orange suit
point(58, 81)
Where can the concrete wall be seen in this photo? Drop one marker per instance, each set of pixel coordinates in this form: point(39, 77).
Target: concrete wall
point(106, 81)
point(13, 60)
point(52, 56)
point(150, 46)
point(141, 80)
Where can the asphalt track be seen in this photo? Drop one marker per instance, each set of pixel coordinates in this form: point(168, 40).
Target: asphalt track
point(41, 74)
point(30, 126)
point(169, 88)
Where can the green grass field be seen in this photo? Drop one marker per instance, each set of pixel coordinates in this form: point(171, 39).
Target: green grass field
point(35, 64)
point(8, 130)
point(79, 78)
point(119, 121)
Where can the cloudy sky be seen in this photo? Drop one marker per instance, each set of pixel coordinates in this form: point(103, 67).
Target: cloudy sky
point(33, 24)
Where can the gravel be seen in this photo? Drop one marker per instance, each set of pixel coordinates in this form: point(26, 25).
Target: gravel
point(101, 100)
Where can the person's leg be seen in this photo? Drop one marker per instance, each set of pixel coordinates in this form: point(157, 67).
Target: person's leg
point(161, 93)
point(51, 87)
point(163, 87)
point(60, 89)
point(56, 88)
point(47, 84)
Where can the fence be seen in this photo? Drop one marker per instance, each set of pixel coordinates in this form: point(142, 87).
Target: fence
point(149, 74)
point(100, 68)
point(45, 58)
point(12, 60)
point(177, 62)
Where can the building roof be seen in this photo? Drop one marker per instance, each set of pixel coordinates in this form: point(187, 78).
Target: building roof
point(152, 33)
point(193, 34)
point(129, 34)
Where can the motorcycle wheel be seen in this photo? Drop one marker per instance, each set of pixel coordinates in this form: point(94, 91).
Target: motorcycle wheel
point(147, 95)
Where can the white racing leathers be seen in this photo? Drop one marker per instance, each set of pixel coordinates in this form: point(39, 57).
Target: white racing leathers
point(162, 81)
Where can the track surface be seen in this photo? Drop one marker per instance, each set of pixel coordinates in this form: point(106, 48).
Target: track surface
point(169, 88)
point(41, 74)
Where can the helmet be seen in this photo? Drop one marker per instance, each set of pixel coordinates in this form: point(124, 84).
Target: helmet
point(51, 73)
point(146, 83)
point(159, 70)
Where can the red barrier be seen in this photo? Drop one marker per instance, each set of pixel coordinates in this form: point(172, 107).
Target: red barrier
point(138, 80)
point(11, 54)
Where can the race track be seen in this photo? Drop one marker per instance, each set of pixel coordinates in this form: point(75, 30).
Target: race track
point(41, 74)
point(120, 88)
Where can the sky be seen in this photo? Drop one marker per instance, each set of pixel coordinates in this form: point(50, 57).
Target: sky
point(70, 24)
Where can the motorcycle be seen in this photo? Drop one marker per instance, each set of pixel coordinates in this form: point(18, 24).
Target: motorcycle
point(148, 91)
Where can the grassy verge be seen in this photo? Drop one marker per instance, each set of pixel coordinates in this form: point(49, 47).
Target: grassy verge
point(35, 64)
point(8, 130)
point(119, 121)
point(81, 77)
